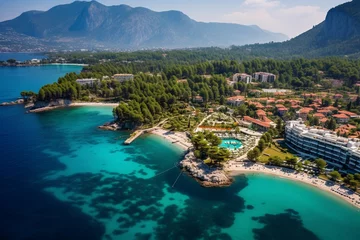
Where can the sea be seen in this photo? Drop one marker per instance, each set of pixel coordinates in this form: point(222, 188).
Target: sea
point(63, 178)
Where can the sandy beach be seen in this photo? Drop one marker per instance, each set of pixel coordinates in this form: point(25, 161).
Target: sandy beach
point(79, 104)
point(237, 168)
point(75, 104)
point(178, 138)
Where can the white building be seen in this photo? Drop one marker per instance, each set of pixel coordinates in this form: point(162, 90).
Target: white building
point(89, 81)
point(235, 101)
point(123, 77)
point(242, 77)
point(264, 77)
point(35, 61)
point(343, 152)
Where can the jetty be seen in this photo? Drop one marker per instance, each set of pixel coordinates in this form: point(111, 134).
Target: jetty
point(138, 133)
point(133, 136)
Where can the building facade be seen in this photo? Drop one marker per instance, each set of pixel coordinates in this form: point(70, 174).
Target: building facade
point(235, 101)
point(339, 151)
point(87, 81)
point(123, 77)
point(242, 77)
point(264, 77)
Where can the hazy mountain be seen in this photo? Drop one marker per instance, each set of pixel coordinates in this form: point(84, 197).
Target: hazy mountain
point(90, 24)
point(338, 34)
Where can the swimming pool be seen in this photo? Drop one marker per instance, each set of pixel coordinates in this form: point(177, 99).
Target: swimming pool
point(231, 143)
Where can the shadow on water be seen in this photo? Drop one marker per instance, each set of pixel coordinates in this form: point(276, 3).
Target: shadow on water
point(287, 225)
point(27, 212)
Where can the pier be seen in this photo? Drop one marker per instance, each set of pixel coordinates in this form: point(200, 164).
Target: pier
point(138, 133)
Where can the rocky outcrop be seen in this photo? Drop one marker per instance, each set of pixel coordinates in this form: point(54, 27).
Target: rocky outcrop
point(111, 126)
point(41, 106)
point(206, 176)
point(340, 25)
point(19, 101)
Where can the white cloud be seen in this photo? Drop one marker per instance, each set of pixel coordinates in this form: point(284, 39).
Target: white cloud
point(273, 16)
point(261, 3)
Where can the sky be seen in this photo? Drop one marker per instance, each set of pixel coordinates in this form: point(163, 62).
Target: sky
point(291, 17)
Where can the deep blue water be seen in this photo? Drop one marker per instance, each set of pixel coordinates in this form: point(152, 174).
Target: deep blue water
point(17, 79)
point(62, 178)
point(21, 56)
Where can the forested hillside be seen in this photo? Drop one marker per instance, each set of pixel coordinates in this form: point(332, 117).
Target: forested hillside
point(155, 89)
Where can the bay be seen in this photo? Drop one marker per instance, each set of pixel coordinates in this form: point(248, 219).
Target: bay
point(21, 56)
point(63, 177)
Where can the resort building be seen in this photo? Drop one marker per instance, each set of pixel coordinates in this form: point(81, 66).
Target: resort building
point(242, 77)
point(349, 114)
point(123, 77)
point(303, 113)
point(235, 101)
point(264, 77)
point(341, 118)
point(257, 124)
point(87, 81)
point(339, 151)
point(198, 99)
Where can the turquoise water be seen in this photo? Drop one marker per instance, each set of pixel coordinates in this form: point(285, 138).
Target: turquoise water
point(231, 143)
point(62, 176)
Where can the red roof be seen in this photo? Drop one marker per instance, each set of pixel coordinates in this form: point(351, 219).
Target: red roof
point(350, 114)
point(260, 113)
point(340, 116)
point(319, 115)
point(305, 110)
point(236, 98)
point(257, 122)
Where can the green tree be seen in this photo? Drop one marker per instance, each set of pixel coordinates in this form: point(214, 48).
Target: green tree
point(261, 145)
point(41, 95)
point(251, 155)
point(335, 175)
point(321, 164)
point(292, 161)
point(276, 160)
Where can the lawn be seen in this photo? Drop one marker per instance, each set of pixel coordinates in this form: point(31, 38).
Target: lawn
point(273, 151)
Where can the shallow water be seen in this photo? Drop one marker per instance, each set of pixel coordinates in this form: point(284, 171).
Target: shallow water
point(63, 177)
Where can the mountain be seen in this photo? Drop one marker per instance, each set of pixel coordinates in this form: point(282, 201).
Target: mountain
point(91, 24)
point(337, 35)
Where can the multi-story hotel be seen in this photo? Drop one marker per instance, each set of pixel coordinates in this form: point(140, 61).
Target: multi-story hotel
point(264, 77)
point(339, 151)
point(123, 77)
point(242, 77)
point(89, 81)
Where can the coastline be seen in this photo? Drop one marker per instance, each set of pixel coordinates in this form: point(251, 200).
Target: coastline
point(241, 168)
point(177, 138)
point(75, 104)
point(66, 64)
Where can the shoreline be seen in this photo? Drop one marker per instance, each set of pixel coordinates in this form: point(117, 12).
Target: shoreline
point(289, 174)
point(341, 193)
point(75, 104)
point(175, 138)
point(65, 64)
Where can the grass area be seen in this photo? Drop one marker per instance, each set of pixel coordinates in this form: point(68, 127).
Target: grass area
point(273, 151)
point(324, 177)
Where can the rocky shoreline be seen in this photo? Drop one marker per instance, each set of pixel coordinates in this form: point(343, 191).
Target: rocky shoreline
point(204, 175)
point(19, 101)
point(111, 126)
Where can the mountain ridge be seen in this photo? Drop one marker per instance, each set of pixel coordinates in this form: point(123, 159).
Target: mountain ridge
point(91, 24)
point(337, 35)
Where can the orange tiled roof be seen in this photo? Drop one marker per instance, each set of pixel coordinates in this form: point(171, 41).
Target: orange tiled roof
point(256, 121)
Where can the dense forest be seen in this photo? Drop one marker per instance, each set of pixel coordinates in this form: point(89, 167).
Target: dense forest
point(156, 89)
